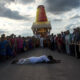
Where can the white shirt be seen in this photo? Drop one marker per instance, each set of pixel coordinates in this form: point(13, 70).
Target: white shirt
point(67, 39)
point(41, 42)
point(33, 60)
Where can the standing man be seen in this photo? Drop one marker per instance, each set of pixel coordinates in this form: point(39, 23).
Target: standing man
point(3, 47)
point(41, 42)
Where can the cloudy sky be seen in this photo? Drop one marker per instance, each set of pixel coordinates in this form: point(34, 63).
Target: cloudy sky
point(17, 16)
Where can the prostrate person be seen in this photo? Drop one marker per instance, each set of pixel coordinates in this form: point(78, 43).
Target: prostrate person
point(34, 60)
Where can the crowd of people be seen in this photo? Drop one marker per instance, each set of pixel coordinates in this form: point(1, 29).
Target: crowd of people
point(69, 43)
point(65, 42)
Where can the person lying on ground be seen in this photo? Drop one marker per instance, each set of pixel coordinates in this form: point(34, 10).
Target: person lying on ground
point(34, 60)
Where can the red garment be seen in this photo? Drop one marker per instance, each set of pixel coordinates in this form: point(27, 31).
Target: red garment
point(19, 43)
point(13, 45)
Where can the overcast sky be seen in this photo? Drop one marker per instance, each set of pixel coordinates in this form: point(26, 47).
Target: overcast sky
point(17, 16)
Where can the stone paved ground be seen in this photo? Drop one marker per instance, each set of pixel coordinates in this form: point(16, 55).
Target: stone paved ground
point(68, 69)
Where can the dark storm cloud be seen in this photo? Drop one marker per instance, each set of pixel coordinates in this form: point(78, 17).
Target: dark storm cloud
point(18, 1)
point(58, 20)
point(75, 17)
point(5, 12)
point(25, 1)
point(7, 1)
point(8, 13)
point(60, 6)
